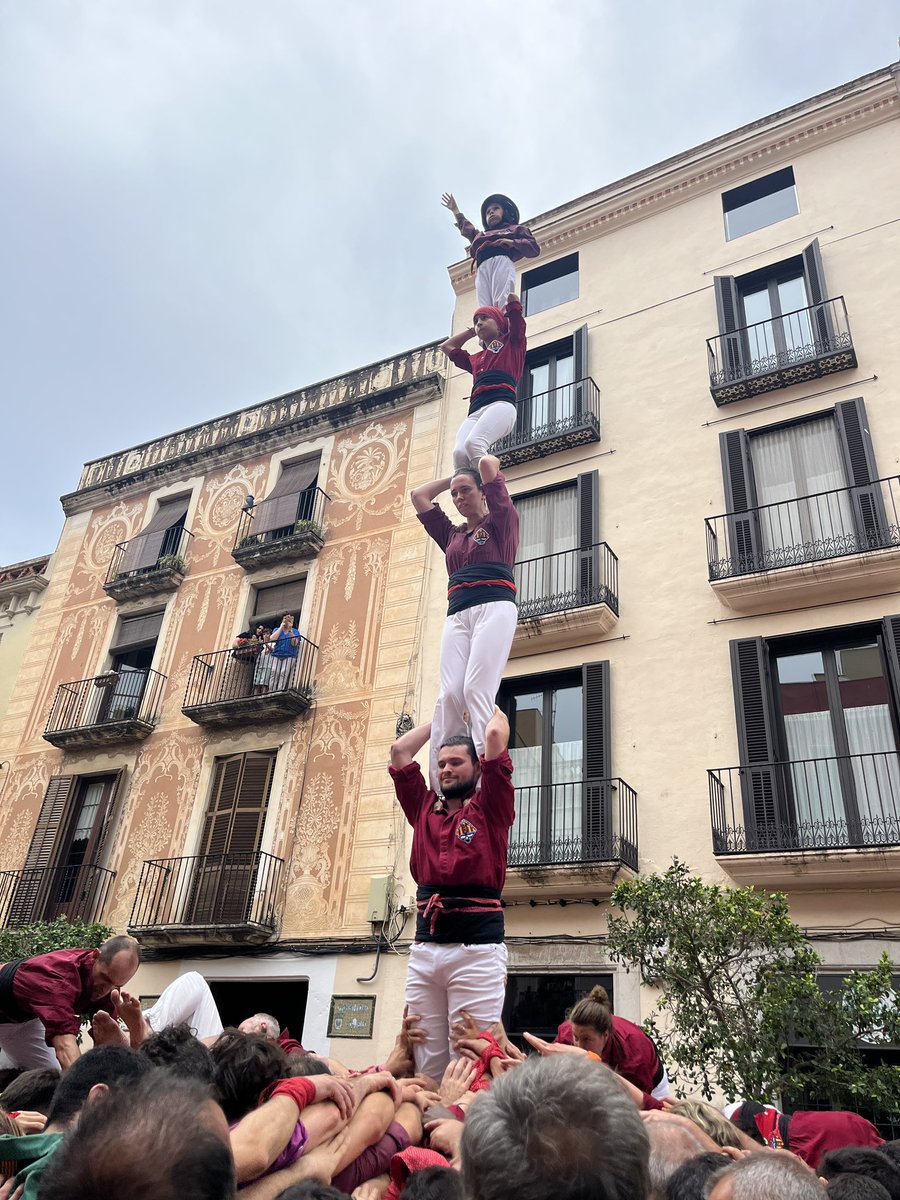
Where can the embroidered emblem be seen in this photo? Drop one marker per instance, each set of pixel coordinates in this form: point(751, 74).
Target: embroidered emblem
point(466, 831)
point(495, 346)
point(480, 536)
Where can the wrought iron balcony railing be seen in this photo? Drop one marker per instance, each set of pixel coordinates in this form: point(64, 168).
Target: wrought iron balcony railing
point(569, 824)
point(283, 526)
point(849, 520)
point(564, 417)
point(833, 803)
point(236, 890)
point(149, 561)
point(570, 579)
point(115, 706)
point(238, 684)
point(781, 351)
point(79, 893)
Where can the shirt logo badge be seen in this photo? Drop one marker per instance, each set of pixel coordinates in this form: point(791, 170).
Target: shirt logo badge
point(495, 346)
point(480, 536)
point(466, 831)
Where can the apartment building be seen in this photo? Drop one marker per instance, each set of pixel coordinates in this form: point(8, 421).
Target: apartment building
point(707, 662)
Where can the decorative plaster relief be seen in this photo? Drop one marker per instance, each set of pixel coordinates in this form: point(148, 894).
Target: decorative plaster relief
point(366, 473)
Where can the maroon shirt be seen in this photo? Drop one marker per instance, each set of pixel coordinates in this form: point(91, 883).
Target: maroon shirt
point(507, 356)
point(464, 547)
point(628, 1052)
point(483, 241)
point(810, 1134)
point(56, 988)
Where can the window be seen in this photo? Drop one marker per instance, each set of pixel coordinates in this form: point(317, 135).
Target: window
point(538, 1004)
point(160, 538)
point(559, 745)
point(291, 500)
point(554, 283)
point(804, 490)
point(132, 654)
point(557, 564)
point(270, 603)
point(817, 725)
point(760, 203)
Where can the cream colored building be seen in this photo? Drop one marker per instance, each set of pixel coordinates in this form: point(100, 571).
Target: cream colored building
point(707, 663)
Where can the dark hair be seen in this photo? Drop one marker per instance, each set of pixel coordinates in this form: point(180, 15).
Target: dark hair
point(176, 1049)
point(116, 945)
point(892, 1150)
point(473, 475)
point(856, 1187)
point(461, 739)
point(593, 1010)
point(31, 1091)
point(311, 1189)
point(244, 1065)
point(862, 1160)
point(688, 1182)
point(153, 1141)
point(307, 1064)
point(112, 1065)
point(433, 1183)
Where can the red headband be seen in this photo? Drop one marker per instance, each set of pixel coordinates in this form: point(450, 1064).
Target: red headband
point(490, 311)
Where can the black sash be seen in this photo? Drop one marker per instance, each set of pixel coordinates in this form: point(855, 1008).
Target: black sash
point(10, 1012)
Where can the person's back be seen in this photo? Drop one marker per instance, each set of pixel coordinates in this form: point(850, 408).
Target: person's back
point(559, 1127)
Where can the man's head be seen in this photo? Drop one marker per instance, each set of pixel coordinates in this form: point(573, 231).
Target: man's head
point(856, 1187)
point(263, 1024)
point(560, 1126)
point(104, 1069)
point(245, 1064)
point(458, 768)
point(862, 1160)
point(176, 1049)
point(765, 1175)
point(689, 1181)
point(117, 961)
point(160, 1139)
point(32, 1091)
point(671, 1145)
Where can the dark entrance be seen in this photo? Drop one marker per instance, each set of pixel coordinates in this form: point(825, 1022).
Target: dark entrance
point(285, 1000)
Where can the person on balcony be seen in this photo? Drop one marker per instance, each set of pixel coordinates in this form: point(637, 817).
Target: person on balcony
point(458, 860)
point(496, 370)
point(284, 646)
point(497, 248)
point(481, 610)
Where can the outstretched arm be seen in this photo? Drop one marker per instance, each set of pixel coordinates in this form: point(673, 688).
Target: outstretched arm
point(466, 228)
point(423, 495)
point(496, 735)
point(406, 747)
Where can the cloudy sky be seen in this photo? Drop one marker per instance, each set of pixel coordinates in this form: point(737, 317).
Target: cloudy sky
point(209, 202)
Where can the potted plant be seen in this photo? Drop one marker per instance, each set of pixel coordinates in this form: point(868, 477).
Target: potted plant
point(246, 649)
point(249, 540)
point(172, 562)
point(308, 526)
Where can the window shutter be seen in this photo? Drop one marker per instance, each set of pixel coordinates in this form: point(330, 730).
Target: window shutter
point(740, 503)
point(598, 825)
point(104, 820)
point(279, 598)
point(34, 878)
point(817, 292)
point(890, 632)
point(143, 551)
point(756, 741)
point(588, 524)
point(137, 632)
point(580, 368)
point(728, 311)
point(280, 507)
point(859, 458)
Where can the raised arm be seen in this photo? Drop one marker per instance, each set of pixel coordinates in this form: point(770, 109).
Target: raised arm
point(406, 747)
point(423, 495)
point(489, 468)
point(466, 228)
point(454, 344)
point(496, 735)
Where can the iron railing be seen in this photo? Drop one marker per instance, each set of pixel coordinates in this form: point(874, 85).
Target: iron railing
point(570, 579)
point(782, 350)
point(166, 549)
point(79, 893)
point(850, 800)
point(569, 414)
point(307, 520)
point(249, 671)
point(848, 520)
point(108, 699)
point(582, 822)
point(239, 888)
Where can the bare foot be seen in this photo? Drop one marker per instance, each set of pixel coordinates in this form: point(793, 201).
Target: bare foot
point(128, 1009)
point(105, 1031)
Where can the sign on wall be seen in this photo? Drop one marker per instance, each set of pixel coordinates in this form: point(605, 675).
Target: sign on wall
point(351, 1016)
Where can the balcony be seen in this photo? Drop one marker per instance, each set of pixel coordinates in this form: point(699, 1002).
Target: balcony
point(234, 687)
point(120, 706)
point(572, 836)
point(149, 564)
point(78, 893)
point(816, 822)
point(781, 352)
point(566, 599)
point(283, 529)
point(561, 419)
point(829, 545)
point(233, 897)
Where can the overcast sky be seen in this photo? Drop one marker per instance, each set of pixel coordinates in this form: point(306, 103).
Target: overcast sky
point(205, 203)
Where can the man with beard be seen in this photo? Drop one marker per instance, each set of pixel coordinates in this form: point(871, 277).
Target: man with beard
point(458, 861)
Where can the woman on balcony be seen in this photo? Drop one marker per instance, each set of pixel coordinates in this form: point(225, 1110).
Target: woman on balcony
point(481, 610)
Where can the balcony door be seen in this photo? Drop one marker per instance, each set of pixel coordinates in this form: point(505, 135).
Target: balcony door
point(557, 566)
point(776, 317)
point(226, 868)
point(838, 734)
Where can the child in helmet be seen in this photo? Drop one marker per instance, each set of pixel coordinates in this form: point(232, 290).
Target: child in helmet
point(497, 248)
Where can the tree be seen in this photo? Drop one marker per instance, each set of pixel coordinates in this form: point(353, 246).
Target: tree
point(41, 936)
point(738, 984)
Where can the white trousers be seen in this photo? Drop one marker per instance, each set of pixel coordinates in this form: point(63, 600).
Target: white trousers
point(662, 1088)
point(187, 1000)
point(475, 647)
point(494, 280)
point(23, 1046)
point(443, 979)
point(479, 432)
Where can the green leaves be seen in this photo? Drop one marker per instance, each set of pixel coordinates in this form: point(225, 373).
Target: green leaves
point(41, 936)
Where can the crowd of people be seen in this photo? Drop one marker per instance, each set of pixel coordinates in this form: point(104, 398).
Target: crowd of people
point(154, 1110)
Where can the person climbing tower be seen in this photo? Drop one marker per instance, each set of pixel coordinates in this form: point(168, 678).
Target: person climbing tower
point(496, 248)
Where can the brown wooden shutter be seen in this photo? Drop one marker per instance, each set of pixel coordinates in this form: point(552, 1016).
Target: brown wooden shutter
point(862, 472)
point(143, 551)
point(756, 741)
point(740, 503)
point(728, 311)
point(588, 525)
point(104, 819)
point(598, 825)
point(279, 509)
point(271, 602)
point(136, 632)
point(34, 879)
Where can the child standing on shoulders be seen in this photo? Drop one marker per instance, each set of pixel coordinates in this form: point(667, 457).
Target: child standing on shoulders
point(495, 249)
point(496, 370)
